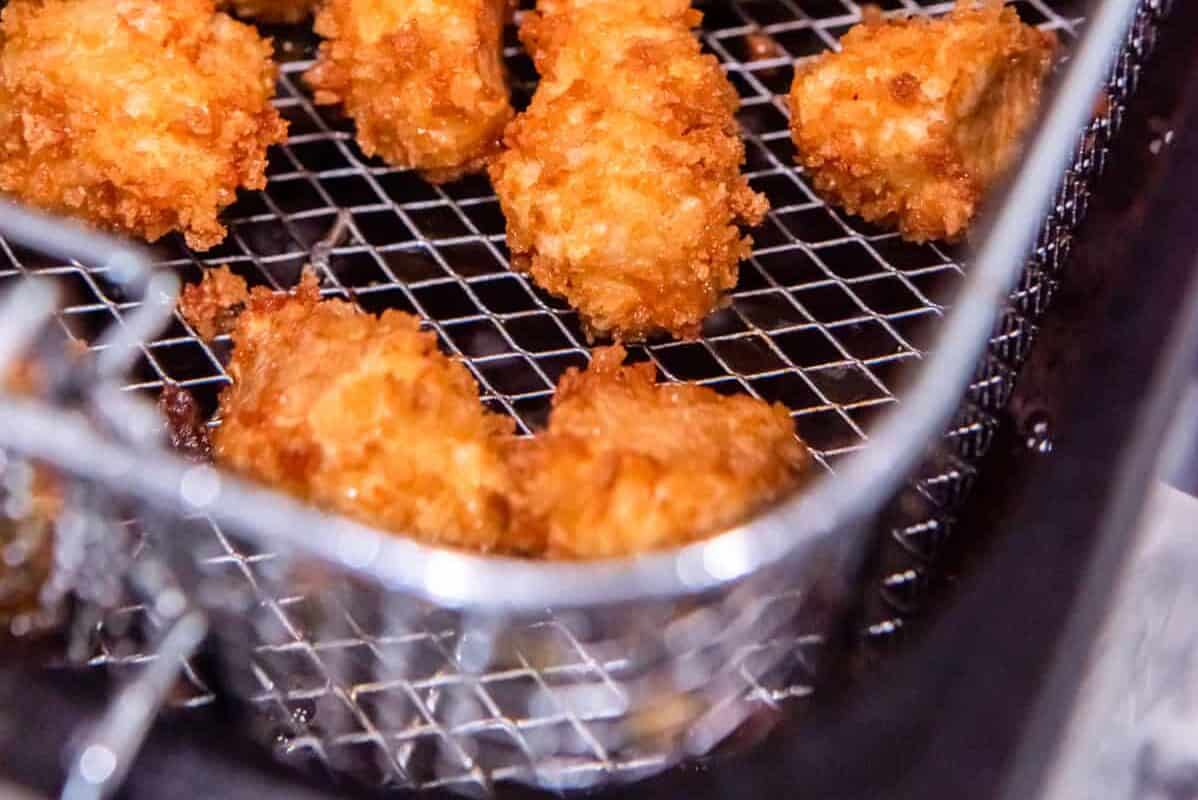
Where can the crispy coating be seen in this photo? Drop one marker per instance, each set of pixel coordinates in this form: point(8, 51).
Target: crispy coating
point(913, 119)
point(621, 183)
point(363, 415)
point(628, 466)
point(141, 116)
point(272, 10)
point(423, 79)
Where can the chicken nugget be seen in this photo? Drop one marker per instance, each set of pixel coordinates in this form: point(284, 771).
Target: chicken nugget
point(912, 121)
point(272, 10)
point(363, 415)
point(628, 466)
point(621, 183)
point(423, 79)
point(140, 116)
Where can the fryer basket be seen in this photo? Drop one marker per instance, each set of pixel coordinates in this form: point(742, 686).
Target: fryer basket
point(400, 665)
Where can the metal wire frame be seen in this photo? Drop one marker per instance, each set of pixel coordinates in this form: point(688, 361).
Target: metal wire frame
point(827, 311)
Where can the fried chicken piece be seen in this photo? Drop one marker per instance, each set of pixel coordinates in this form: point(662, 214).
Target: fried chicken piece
point(913, 119)
point(272, 10)
point(140, 116)
point(628, 466)
point(363, 415)
point(621, 184)
point(423, 79)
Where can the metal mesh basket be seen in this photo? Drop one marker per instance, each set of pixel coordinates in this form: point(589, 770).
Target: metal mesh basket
point(402, 665)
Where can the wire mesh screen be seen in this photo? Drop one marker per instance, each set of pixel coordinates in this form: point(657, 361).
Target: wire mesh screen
point(828, 312)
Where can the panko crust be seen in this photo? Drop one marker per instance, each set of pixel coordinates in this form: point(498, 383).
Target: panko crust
point(272, 10)
point(363, 415)
point(628, 466)
point(621, 183)
point(913, 119)
point(139, 116)
point(423, 79)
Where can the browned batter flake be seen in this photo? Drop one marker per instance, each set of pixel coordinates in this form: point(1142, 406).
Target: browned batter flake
point(185, 426)
point(211, 306)
point(904, 88)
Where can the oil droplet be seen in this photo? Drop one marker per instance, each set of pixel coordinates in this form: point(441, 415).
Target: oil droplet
point(281, 741)
point(1038, 433)
point(302, 711)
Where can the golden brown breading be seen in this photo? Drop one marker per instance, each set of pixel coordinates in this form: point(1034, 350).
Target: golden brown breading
point(142, 116)
point(272, 10)
point(363, 415)
point(627, 466)
point(912, 120)
point(423, 79)
point(622, 184)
